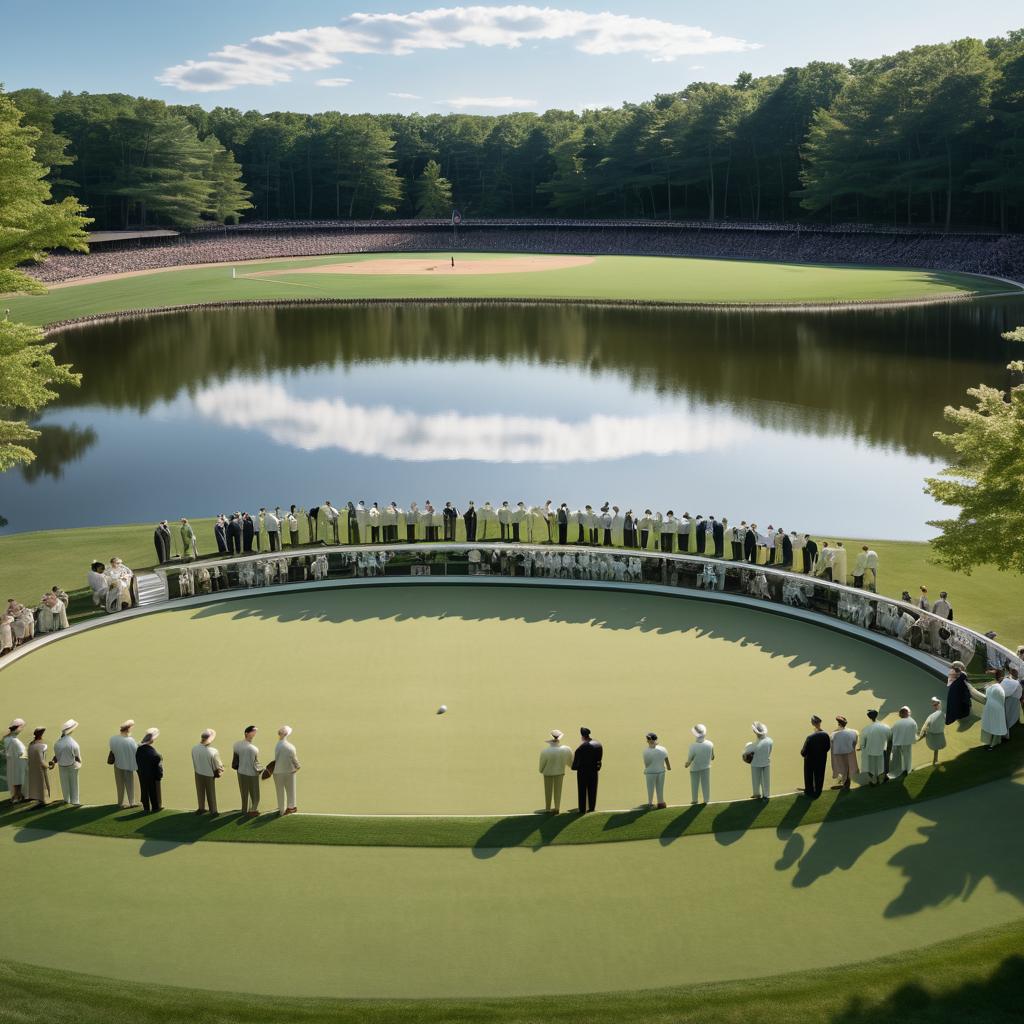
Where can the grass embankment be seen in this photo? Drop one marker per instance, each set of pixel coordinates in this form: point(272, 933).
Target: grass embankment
point(532, 831)
point(607, 278)
point(970, 979)
point(31, 563)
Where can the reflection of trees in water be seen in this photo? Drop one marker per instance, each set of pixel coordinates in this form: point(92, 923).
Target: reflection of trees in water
point(55, 447)
point(882, 376)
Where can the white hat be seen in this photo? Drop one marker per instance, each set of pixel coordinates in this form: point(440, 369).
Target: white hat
point(152, 732)
point(69, 726)
point(760, 728)
point(17, 723)
point(285, 731)
point(128, 723)
point(700, 731)
point(209, 734)
point(935, 700)
point(557, 734)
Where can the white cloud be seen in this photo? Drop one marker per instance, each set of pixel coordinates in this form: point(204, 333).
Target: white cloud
point(489, 102)
point(266, 60)
point(696, 67)
point(405, 95)
point(333, 83)
point(312, 424)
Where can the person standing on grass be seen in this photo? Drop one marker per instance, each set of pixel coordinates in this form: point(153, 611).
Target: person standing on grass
point(189, 548)
point(586, 763)
point(815, 754)
point(758, 754)
point(933, 732)
point(332, 515)
point(150, 767)
point(245, 759)
point(67, 757)
point(555, 758)
point(874, 744)
point(162, 542)
point(656, 763)
point(1012, 689)
point(698, 760)
point(904, 733)
point(844, 753)
point(16, 763)
point(37, 785)
point(993, 715)
point(208, 769)
point(958, 694)
point(122, 757)
point(285, 765)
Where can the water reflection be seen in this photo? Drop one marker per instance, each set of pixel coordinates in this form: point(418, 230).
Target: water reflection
point(813, 414)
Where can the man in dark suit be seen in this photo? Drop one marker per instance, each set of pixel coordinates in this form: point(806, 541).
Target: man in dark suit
point(750, 544)
point(810, 553)
point(451, 514)
point(162, 542)
point(586, 763)
point(629, 530)
point(248, 532)
point(702, 535)
point(787, 551)
point(151, 770)
point(815, 754)
point(220, 535)
point(563, 523)
point(469, 518)
point(718, 535)
point(235, 534)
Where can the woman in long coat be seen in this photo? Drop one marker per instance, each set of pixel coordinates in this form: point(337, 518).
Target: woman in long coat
point(38, 773)
point(933, 732)
point(993, 715)
point(14, 754)
point(958, 693)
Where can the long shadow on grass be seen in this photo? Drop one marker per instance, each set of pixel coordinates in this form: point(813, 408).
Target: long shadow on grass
point(519, 830)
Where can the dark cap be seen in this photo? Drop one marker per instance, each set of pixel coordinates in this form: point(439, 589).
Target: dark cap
point(250, 728)
point(872, 714)
point(652, 735)
point(815, 720)
point(584, 731)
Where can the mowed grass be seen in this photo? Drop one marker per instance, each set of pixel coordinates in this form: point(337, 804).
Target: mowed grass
point(31, 563)
point(607, 278)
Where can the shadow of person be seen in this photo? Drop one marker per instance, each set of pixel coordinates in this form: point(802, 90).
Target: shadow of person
point(517, 830)
point(679, 825)
point(735, 819)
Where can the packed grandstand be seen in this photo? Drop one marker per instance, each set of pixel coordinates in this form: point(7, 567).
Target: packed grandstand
point(979, 253)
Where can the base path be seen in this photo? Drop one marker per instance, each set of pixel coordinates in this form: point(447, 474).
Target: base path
point(450, 923)
point(441, 265)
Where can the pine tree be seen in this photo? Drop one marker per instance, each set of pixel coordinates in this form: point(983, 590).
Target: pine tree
point(433, 193)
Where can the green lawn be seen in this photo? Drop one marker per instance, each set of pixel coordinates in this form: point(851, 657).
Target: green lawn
point(608, 278)
point(33, 562)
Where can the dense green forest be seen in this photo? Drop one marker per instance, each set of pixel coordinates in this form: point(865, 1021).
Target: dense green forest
point(932, 136)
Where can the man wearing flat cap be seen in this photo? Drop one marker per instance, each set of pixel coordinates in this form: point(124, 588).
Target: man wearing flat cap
point(150, 766)
point(555, 758)
point(758, 754)
point(208, 769)
point(844, 754)
point(656, 763)
point(815, 754)
point(122, 757)
point(698, 760)
point(68, 759)
point(285, 764)
point(586, 763)
point(245, 759)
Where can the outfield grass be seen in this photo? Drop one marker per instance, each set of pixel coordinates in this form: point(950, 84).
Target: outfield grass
point(31, 563)
point(608, 278)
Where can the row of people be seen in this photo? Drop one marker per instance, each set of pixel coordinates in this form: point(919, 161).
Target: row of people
point(19, 623)
point(887, 752)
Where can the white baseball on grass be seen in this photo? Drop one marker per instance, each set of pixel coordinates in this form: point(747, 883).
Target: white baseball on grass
point(442, 709)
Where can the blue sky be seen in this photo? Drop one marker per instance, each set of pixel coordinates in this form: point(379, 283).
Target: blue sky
point(311, 55)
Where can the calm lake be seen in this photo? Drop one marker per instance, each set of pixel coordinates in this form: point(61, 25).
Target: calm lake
point(817, 422)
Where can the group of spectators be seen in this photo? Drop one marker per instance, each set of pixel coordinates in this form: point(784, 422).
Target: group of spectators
point(998, 255)
point(19, 623)
point(112, 585)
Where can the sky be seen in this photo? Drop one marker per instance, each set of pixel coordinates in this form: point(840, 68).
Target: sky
point(388, 56)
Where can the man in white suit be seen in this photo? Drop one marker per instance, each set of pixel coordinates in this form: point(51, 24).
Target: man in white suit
point(555, 759)
point(286, 764)
point(758, 755)
point(207, 766)
point(698, 760)
point(68, 758)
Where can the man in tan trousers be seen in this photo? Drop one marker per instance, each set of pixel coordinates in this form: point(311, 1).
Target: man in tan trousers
point(286, 764)
point(208, 768)
point(245, 759)
point(555, 758)
point(122, 757)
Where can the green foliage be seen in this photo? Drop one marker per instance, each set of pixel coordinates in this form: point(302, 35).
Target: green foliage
point(984, 480)
point(433, 193)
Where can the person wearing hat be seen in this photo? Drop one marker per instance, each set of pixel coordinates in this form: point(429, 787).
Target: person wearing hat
point(245, 759)
point(38, 782)
point(933, 732)
point(958, 693)
point(993, 715)
point(758, 754)
point(874, 744)
point(68, 758)
point(904, 733)
point(555, 757)
point(815, 754)
point(150, 767)
point(656, 763)
point(15, 757)
point(586, 763)
point(285, 765)
point(844, 754)
point(698, 760)
point(208, 769)
point(122, 757)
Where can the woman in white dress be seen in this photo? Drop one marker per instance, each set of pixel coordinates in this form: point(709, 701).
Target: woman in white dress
point(16, 757)
point(119, 583)
point(6, 633)
point(933, 731)
point(993, 715)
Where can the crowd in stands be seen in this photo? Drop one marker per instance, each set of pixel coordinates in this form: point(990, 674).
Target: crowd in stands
point(997, 255)
point(20, 623)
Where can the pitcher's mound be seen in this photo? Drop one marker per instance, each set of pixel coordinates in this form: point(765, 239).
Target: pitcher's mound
point(441, 265)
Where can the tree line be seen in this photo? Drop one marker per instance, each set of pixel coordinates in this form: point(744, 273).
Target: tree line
point(932, 136)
